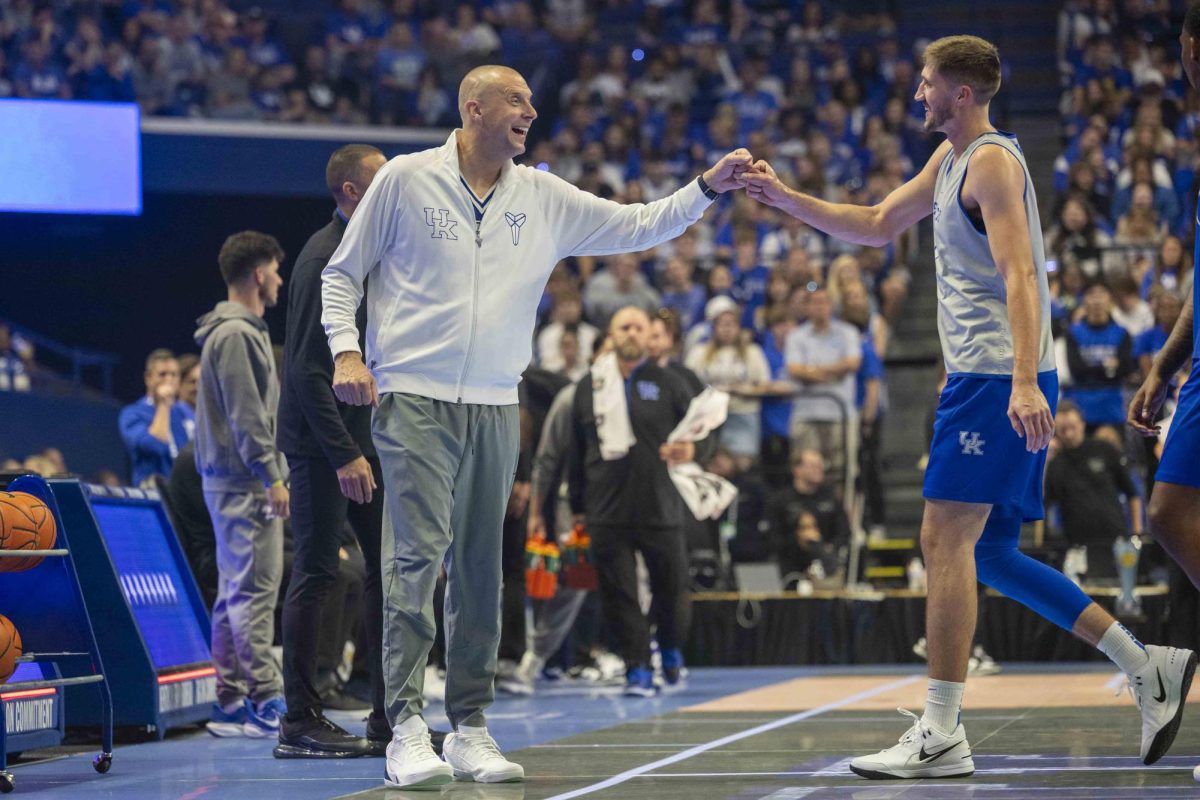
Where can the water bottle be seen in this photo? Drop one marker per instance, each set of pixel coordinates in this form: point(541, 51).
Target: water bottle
point(1125, 552)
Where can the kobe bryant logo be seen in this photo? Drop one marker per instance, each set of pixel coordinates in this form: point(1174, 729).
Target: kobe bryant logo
point(515, 221)
point(972, 445)
point(438, 219)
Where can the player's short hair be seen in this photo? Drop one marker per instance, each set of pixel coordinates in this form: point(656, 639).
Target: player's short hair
point(245, 251)
point(967, 61)
point(346, 164)
point(160, 354)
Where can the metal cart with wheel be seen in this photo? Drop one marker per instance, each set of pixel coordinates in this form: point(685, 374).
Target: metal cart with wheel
point(46, 604)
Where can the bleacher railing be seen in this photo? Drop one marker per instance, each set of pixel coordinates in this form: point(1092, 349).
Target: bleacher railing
point(66, 363)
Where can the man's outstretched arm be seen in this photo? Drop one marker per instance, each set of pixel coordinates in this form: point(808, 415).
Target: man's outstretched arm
point(873, 226)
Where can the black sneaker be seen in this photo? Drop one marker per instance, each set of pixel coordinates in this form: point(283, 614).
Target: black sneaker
point(314, 736)
point(379, 734)
point(339, 700)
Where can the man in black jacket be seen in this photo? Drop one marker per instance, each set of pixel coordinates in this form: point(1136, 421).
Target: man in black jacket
point(631, 505)
point(332, 462)
point(1086, 479)
point(807, 521)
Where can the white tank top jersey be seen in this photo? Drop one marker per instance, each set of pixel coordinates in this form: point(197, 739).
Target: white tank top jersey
point(972, 300)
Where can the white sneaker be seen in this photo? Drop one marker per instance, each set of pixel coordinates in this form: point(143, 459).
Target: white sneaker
point(1160, 689)
point(411, 762)
point(981, 663)
point(474, 756)
point(520, 679)
point(435, 685)
point(921, 753)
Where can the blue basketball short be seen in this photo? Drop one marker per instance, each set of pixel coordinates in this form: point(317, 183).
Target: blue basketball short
point(1181, 454)
point(976, 456)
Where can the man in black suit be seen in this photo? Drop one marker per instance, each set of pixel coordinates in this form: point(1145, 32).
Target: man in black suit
point(335, 479)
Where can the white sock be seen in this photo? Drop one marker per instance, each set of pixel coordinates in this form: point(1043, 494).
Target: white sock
point(1123, 649)
point(233, 706)
point(943, 702)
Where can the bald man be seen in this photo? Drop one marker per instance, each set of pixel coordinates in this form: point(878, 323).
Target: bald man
point(459, 242)
point(631, 505)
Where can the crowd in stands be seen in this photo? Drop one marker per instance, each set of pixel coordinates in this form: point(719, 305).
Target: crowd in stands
point(1120, 241)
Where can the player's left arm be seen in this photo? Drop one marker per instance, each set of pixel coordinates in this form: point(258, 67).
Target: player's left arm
point(995, 184)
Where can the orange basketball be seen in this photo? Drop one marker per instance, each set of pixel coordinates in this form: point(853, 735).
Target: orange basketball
point(10, 648)
point(25, 524)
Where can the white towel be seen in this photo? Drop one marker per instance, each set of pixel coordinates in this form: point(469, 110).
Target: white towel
point(612, 411)
point(707, 495)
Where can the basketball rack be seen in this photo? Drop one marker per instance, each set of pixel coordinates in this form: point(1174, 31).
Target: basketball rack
point(59, 639)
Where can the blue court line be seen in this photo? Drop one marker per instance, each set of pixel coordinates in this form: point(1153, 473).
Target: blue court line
point(616, 780)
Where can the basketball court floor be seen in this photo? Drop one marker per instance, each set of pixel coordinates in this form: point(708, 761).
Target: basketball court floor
point(1037, 731)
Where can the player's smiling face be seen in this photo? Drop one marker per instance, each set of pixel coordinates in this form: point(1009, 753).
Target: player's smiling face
point(508, 113)
point(936, 94)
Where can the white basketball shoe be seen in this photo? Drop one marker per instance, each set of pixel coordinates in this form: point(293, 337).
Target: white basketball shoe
point(411, 762)
point(1160, 689)
point(921, 753)
point(474, 756)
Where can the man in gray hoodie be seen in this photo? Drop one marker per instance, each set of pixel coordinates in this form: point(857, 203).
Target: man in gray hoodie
point(243, 477)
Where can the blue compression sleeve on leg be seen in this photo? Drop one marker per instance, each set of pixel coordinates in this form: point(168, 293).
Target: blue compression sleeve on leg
point(999, 564)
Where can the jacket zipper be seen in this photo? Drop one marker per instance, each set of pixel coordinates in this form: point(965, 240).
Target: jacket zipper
point(474, 307)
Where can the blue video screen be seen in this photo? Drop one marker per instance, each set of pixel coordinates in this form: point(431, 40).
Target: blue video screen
point(136, 533)
point(70, 157)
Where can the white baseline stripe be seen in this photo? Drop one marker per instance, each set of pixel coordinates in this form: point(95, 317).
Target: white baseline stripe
point(734, 737)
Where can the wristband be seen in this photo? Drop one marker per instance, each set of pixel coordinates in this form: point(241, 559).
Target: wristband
point(709, 192)
point(276, 482)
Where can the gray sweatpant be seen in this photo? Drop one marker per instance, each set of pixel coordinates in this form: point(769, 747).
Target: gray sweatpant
point(448, 469)
point(249, 569)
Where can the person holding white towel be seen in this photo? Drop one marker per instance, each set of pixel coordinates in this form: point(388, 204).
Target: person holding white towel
point(624, 411)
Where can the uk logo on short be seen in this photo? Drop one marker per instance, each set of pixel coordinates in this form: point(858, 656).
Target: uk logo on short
point(438, 219)
point(972, 445)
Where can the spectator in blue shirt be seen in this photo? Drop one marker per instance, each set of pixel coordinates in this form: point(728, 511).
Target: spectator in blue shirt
point(39, 78)
point(1172, 270)
point(112, 81)
point(870, 397)
point(777, 402)
point(262, 50)
point(397, 72)
point(1102, 64)
point(755, 108)
point(680, 294)
point(1167, 307)
point(157, 426)
point(749, 275)
point(1100, 355)
point(346, 31)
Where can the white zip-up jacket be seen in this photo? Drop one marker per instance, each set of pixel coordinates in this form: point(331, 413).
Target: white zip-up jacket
point(451, 304)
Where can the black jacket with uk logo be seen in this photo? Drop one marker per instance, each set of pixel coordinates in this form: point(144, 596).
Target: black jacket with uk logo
point(635, 490)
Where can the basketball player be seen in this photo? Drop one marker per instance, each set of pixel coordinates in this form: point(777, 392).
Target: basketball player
point(459, 243)
point(995, 416)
